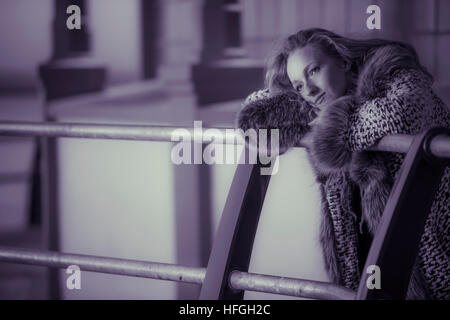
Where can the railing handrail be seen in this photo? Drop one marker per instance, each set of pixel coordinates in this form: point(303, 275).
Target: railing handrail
point(440, 146)
point(172, 272)
point(109, 131)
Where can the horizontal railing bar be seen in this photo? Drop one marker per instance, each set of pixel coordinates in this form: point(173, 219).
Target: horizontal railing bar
point(440, 145)
point(119, 132)
point(395, 143)
point(125, 267)
point(162, 271)
point(289, 286)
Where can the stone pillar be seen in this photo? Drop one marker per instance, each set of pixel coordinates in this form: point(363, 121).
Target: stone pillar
point(221, 30)
point(180, 44)
point(70, 70)
point(224, 73)
point(180, 49)
point(151, 29)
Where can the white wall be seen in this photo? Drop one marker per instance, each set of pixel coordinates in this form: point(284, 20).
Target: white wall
point(117, 201)
point(287, 239)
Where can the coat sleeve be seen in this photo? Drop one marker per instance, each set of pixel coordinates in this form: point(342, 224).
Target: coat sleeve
point(400, 111)
point(346, 125)
point(285, 112)
point(257, 95)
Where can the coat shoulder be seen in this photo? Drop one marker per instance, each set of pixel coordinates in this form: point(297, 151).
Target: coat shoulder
point(381, 64)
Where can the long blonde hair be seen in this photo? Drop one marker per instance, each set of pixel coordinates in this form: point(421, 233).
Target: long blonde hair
point(353, 53)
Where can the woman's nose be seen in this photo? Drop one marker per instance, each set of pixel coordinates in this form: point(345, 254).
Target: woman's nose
point(311, 90)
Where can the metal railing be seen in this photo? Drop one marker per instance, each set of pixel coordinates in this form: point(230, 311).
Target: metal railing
point(393, 143)
point(103, 131)
point(172, 272)
point(401, 143)
point(226, 275)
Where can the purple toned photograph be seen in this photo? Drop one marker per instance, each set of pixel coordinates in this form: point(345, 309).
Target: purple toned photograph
point(253, 150)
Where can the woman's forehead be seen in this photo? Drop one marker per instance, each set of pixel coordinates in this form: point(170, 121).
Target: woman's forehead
point(300, 58)
point(306, 54)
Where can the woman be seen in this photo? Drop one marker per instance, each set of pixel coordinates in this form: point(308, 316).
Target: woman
point(347, 94)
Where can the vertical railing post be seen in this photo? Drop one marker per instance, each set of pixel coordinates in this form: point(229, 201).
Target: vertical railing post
point(395, 245)
point(50, 208)
point(234, 240)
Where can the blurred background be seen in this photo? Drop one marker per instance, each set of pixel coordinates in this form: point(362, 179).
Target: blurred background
point(160, 62)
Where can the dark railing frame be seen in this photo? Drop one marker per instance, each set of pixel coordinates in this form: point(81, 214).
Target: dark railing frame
point(393, 250)
point(396, 243)
point(237, 229)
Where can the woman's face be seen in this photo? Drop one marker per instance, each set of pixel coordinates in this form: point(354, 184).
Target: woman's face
point(318, 78)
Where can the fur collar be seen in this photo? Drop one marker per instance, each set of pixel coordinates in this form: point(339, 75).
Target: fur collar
point(330, 149)
point(293, 116)
point(384, 62)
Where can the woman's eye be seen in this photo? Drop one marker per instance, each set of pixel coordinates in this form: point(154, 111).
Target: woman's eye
point(299, 88)
point(314, 71)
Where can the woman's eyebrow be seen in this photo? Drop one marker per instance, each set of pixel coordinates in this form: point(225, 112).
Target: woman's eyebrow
point(305, 71)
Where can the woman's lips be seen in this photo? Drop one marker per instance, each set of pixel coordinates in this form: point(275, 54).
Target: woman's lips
point(319, 99)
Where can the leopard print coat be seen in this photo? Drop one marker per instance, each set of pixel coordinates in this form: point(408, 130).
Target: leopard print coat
point(393, 96)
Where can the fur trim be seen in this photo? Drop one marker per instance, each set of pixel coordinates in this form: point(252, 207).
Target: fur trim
point(330, 137)
point(417, 289)
point(368, 167)
point(369, 171)
point(381, 63)
point(285, 112)
point(329, 147)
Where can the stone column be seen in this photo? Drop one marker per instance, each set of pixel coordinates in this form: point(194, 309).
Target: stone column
point(180, 49)
point(224, 73)
point(71, 70)
point(151, 29)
